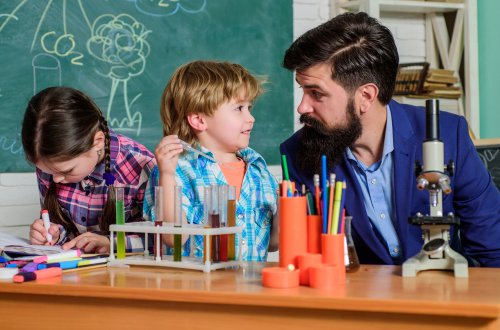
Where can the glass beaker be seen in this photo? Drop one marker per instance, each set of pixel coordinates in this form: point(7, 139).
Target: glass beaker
point(353, 264)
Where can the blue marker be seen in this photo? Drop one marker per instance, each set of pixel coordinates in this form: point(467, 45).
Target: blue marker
point(70, 264)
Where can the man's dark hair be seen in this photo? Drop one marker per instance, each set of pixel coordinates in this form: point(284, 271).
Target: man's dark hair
point(358, 47)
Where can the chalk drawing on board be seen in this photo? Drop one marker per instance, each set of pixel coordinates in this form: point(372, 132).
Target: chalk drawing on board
point(56, 43)
point(10, 16)
point(119, 42)
point(161, 8)
point(7, 18)
point(46, 72)
point(13, 146)
point(488, 156)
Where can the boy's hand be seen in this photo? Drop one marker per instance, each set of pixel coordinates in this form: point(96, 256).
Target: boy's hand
point(167, 154)
point(38, 234)
point(89, 243)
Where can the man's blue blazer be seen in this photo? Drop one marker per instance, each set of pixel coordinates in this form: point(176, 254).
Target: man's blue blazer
point(474, 198)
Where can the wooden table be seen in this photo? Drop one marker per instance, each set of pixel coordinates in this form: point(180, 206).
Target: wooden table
point(375, 297)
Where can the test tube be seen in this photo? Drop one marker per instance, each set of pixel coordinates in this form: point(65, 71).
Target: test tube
point(223, 191)
point(158, 221)
point(120, 220)
point(207, 222)
point(215, 217)
point(178, 223)
point(231, 222)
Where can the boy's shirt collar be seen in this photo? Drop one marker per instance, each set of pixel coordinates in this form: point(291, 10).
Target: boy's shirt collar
point(248, 155)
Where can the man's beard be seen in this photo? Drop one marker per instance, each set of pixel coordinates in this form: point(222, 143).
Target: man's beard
point(316, 139)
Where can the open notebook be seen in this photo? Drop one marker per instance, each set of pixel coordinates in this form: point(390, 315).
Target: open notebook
point(15, 247)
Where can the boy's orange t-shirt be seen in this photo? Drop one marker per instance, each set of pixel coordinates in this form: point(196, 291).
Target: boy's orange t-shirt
point(234, 172)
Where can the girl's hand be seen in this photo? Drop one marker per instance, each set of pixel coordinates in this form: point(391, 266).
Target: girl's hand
point(38, 234)
point(89, 243)
point(167, 154)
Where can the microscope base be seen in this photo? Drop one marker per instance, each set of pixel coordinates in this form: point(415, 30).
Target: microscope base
point(451, 260)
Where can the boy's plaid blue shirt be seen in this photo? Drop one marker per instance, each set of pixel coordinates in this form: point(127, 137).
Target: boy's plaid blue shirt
point(254, 209)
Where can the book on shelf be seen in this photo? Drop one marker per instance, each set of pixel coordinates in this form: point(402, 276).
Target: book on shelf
point(444, 72)
point(429, 86)
point(439, 78)
point(452, 94)
point(449, 1)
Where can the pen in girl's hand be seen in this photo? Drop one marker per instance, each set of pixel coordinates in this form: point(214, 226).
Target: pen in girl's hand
point(46, 224)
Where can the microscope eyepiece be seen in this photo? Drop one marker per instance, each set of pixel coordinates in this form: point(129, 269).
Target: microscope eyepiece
point(432, 120)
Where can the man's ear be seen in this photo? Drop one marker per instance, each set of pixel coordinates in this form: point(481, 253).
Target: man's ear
point(197, 121)
point(368, 94)
point(99, 140)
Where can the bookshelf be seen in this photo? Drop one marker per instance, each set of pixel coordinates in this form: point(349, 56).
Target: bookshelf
point(441, 46)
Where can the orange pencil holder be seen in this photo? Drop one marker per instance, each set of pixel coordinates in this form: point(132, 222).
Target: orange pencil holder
point(332, 247)
point(314, 226)
point(293, 229)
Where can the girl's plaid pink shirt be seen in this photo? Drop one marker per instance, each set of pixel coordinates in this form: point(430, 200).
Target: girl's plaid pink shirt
point(131, 164)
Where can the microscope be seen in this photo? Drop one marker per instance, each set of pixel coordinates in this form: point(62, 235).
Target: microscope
point(436, 252)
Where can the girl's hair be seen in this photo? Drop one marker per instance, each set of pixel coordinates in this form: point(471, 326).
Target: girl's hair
point(202, 87)
point(60, 124)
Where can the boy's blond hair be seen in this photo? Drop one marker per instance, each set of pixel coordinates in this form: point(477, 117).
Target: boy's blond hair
point(202, 87)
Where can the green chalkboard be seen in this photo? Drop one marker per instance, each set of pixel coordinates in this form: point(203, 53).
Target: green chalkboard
point(123, 52)
point(489, 152)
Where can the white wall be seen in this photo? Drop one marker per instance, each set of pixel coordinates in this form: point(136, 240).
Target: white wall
point(19, 203)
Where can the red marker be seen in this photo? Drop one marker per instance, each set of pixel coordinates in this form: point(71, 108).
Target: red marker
point(37, 275)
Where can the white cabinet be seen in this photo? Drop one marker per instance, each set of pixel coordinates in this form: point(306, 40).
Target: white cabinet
point(441, 46)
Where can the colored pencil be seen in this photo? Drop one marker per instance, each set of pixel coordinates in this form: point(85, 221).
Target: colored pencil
point(285, 167)
point(324, 193)
point(336, 207)
point(317, 193)
point(331, 188)
point(342, 210)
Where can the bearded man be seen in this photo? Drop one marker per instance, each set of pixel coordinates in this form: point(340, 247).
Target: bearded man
point(347, 70)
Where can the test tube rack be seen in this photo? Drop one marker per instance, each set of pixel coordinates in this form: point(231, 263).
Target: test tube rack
point(188, 262)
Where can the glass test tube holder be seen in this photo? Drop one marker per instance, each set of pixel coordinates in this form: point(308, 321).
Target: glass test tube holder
point(188, 262)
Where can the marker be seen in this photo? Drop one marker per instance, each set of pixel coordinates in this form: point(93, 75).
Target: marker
point(62, 255)
point(37, 275)
point(91, 262)
point(62, 264)
point(30, 267)
point(46, 224)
